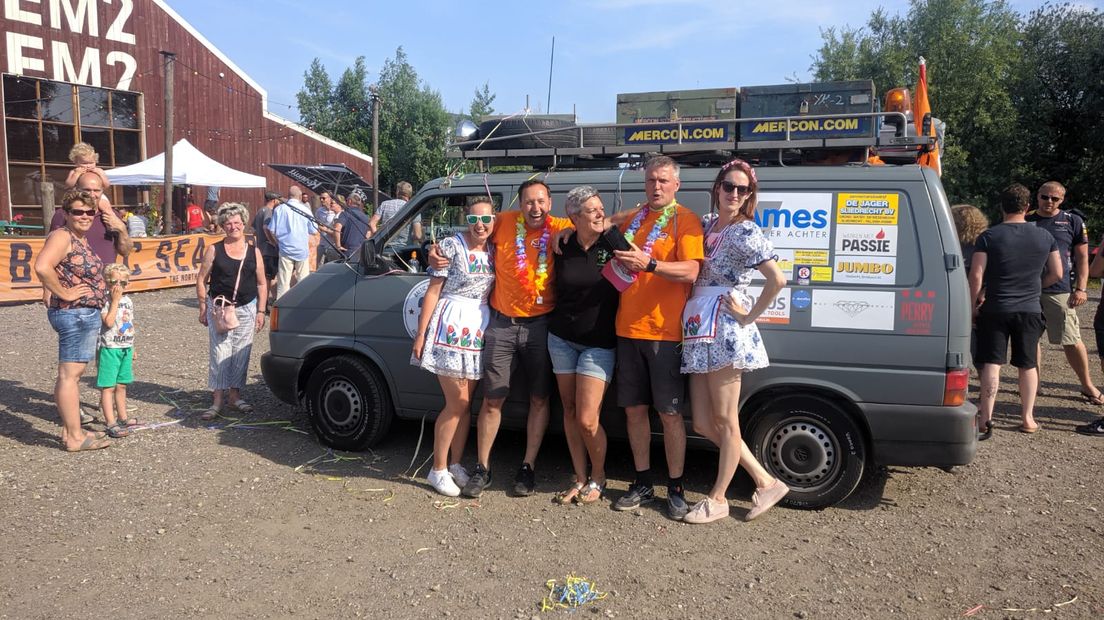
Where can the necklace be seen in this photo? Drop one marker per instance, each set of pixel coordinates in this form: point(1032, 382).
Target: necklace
point(657, 228)
point(533, 281)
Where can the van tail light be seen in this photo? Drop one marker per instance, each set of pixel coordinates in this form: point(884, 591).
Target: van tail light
point(954, 394)
point(274, 319)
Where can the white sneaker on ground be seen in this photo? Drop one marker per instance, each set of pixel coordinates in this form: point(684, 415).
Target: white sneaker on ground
point(459, 474)
point(441, 480)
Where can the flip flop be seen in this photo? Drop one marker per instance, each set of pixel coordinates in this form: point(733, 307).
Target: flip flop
point(1093, 400)
point(210, 414)
point(117, 431)
point(1029, 430)
point(91, 442)
point(985, 432)
point(127, 422)
point(591, 493)
point(568, 496)
point(242, 406)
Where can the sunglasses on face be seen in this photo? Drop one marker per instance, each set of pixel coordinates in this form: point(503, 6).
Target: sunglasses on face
point(1050, 198)
point(730, 187)
point(114, 282)
point(87, 212)
point(480, 219)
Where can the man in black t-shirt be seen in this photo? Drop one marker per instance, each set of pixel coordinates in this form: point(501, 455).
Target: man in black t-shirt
point(1014, 260)
point(1061, 299)
point(350, 227)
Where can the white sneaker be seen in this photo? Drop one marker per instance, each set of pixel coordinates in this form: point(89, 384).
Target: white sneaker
point(459, 474)
point(441, 480)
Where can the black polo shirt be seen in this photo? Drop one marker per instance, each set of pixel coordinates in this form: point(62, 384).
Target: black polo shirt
point(586, 303)
point(1068, 230)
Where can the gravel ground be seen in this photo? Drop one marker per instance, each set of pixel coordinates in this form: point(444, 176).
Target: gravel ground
point(196, 520)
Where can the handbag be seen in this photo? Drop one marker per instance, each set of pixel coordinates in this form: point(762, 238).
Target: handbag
point(223, 310)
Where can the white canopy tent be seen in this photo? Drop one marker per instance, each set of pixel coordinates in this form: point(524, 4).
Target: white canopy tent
point(190, 167)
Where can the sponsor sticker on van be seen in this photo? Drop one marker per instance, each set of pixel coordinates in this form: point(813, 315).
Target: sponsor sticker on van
point(871, 209)
point(866, 269)
point(778, 313)
point(866, 240)
point(839, 309)
point(796, 220)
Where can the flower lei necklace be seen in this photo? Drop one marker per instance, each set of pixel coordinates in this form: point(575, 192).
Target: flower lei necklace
point(533, 281)
point(660, 224)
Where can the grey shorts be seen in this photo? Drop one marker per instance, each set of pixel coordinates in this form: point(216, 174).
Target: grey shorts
point(648, 374)
point(1062, 325)
point(509, 343)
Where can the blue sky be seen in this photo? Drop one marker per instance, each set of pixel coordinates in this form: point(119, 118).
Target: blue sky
point(603, 47)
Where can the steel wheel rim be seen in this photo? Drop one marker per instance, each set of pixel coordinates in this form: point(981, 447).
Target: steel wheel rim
point(342, 406)
point(803, 453)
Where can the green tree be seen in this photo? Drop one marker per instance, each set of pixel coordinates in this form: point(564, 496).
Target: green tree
point(315, 99)
point(1060, 100)
point(351, 109)
point(413, 125)
point(482, 104)
point(972, 53)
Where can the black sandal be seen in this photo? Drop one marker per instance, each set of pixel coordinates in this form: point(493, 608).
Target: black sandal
point(985, 432)
point(1094, 400)
point(116, 431)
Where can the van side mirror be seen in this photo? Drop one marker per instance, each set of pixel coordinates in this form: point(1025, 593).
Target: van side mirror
point(369, 258)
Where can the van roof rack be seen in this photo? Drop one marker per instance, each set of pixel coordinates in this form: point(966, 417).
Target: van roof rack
point(893, 135)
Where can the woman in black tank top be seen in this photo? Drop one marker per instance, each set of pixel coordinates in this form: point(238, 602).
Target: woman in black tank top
point(228, 263)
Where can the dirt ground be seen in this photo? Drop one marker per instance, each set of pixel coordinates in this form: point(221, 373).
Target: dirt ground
point(253, 518)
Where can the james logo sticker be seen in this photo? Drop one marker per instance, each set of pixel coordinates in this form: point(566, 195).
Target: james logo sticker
point(412, 307)
point(796, 220)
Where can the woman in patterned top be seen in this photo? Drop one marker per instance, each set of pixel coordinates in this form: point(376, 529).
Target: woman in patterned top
point(449, 341)
point(73, 274)
point(721, 340)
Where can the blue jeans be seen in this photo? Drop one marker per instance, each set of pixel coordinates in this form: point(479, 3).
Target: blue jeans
point(77, 329)
point(571, 358)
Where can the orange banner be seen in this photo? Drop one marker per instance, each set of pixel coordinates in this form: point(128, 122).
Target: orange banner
point(156, 262)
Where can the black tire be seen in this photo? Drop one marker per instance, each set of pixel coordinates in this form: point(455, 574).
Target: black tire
point(810, 444)
point(348, 403)
point(513, 126)
point(600, 136)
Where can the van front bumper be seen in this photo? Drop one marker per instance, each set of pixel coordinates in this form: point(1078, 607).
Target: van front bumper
point(913, 435)
point(281, 374)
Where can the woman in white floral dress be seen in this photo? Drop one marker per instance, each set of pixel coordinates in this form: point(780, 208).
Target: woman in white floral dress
point(721, 340)
point(449, 341)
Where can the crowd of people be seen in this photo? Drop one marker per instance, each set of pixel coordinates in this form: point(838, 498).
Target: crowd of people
point(655, 297)
point(526, 294)
point(1028, 274)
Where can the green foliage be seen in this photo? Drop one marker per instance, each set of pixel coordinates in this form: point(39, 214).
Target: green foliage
point(414, 126)
point(1021, 96)
point(316, 99)
point(352, 110)
point(482, 104)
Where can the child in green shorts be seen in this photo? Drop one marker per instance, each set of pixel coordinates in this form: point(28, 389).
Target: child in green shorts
point(116, 355)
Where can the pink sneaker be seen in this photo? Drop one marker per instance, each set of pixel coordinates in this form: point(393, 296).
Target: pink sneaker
point(765, 498)
point(706, 511)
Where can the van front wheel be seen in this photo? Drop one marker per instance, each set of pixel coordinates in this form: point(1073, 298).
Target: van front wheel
point(812, 445)
point(348, 403)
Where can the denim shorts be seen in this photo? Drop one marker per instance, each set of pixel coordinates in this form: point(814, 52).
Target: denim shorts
point(571, 358)
point(77, 329)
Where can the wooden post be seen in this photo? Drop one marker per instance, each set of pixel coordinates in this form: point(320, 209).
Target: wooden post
point(166, 191)
point(47, 206)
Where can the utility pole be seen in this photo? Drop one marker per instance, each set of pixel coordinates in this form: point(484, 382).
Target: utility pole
point(375, 98)
point(166, 190)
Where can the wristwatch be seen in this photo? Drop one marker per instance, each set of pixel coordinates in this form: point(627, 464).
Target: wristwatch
point(651, 265)
point(1080, 290)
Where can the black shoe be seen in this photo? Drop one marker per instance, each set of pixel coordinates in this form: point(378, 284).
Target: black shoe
point(1092, 429)
point(525, 481)
point(676, 503)
point(480, 479)
point(638, 494)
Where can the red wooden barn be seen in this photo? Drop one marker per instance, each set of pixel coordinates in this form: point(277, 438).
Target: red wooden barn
point(91, 71)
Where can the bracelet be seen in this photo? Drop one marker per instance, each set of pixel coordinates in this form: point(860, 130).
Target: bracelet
point(1081, 290)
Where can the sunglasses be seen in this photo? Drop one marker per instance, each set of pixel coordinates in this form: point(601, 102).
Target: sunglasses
point(1050, 198)
point(88, 212)
point(114, 282)
point(486, 220)
point(730, 187)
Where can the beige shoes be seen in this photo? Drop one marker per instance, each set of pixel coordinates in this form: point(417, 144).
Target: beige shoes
point(765, 498)
point(706, 511)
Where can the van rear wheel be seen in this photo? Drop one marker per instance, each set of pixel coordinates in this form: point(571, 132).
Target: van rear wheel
point(812, 445)
point(348, 403)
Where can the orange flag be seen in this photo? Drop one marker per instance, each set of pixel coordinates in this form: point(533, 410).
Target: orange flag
point(922, 108)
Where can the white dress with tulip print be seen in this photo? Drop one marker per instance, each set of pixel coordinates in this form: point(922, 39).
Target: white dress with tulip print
point(454, 336)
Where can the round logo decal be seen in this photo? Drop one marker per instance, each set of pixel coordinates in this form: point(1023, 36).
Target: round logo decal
point(412, 307)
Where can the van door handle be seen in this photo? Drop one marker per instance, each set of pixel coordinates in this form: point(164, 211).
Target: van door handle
point(950, 261)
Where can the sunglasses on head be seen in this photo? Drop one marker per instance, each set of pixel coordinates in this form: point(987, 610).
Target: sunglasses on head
point(1050, 198)
point(88, 212)
point(484, 219)
point(730, 187)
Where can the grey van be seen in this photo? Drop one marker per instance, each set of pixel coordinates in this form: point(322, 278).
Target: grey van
point(869, 341)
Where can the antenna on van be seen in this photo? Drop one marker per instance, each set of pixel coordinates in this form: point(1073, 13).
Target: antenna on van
point(551, 62)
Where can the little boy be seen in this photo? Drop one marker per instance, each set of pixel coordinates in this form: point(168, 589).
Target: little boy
point(116, 355)
point(85, 159)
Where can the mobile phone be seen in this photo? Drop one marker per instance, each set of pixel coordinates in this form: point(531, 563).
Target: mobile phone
point(616, 239)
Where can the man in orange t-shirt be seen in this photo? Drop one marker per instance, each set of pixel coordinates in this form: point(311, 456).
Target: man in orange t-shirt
point(666, 256)
point(517, 334)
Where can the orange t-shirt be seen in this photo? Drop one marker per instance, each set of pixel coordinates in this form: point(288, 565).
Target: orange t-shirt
point(509, 296)
point(651, 308)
